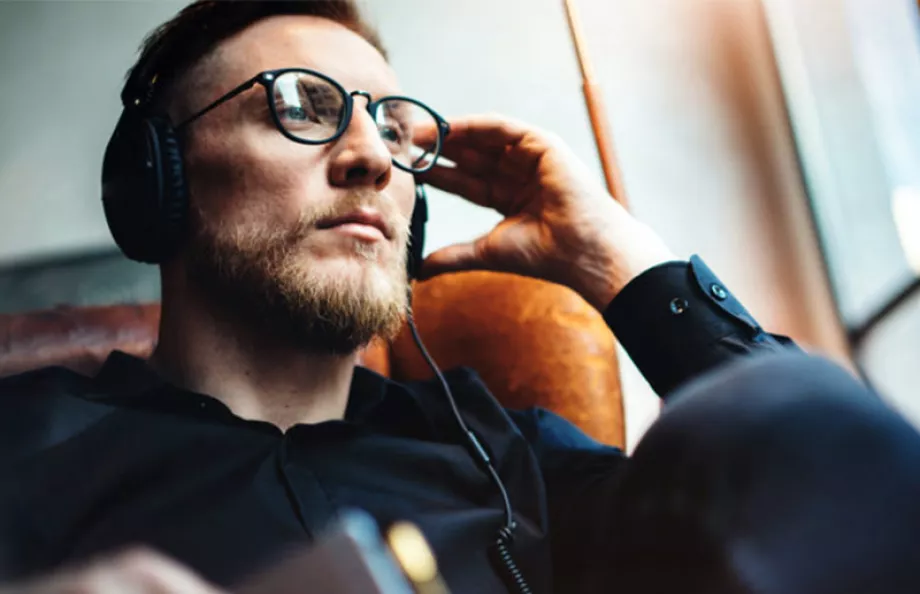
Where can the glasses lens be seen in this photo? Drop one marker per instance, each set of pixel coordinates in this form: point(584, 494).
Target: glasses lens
point(396, 121)
point(308, 107)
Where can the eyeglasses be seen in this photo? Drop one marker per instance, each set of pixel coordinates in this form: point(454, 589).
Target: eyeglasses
point(310, 108)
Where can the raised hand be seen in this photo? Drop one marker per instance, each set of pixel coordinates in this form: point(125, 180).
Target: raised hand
point(560, 222)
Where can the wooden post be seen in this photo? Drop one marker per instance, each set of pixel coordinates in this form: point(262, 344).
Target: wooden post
point(594, 102)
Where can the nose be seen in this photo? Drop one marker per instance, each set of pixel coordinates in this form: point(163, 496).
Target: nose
point(360, 157)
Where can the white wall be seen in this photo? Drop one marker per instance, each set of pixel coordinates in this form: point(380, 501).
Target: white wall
point(62, 65)
point(696, 110)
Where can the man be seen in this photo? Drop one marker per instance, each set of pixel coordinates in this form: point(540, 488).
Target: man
point(250, 426)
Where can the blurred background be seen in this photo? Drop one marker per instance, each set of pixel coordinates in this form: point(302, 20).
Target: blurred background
point(778, 139)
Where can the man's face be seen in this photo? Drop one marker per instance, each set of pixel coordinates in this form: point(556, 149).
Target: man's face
point(261, 203)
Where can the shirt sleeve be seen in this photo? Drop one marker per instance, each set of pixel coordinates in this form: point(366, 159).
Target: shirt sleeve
point(678, 320)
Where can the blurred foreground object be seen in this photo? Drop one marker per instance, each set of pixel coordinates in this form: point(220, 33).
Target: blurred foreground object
point(415, 558)
point(353, 558)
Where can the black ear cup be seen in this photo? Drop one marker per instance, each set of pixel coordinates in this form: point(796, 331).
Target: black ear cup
point(144, 193)
point(417, 232)
point(175, 206)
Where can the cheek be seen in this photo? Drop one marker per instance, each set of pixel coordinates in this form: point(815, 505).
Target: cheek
point(253, 177)
point(402, 190)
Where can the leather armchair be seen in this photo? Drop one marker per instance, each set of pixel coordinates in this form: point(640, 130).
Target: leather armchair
point(534, 344)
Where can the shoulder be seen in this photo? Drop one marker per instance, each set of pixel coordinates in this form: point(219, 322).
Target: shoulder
point(41, 408)
point(550, 433)
point(465, 387)
point(43, 383)
point(481, 412)
point(545, 431)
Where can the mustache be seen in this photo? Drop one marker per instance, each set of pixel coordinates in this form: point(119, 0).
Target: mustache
point(280, 239)
point(395, 220)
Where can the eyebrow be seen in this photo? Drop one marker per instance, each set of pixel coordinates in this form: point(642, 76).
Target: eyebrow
point(399, 110)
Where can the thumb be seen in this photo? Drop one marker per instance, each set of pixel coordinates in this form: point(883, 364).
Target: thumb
point(455, 258)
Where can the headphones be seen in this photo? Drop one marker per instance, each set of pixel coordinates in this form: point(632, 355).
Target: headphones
point(145, 193)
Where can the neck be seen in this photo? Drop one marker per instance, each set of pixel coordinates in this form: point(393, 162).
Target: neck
point(258, 377)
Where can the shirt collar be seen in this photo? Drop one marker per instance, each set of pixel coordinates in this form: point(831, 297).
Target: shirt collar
point(129, 381)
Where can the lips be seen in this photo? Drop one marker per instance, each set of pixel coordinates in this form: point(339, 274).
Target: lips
point(367, 217)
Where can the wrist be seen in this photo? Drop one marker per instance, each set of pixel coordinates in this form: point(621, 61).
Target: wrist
point(622, 254)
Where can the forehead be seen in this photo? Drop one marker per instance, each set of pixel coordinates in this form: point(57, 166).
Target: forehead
point(306, 42)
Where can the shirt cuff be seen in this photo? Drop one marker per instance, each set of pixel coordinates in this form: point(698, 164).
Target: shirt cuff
point(673, 319)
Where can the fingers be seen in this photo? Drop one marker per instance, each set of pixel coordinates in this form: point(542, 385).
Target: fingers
point(456, 181)
point(493, 148)
point(505, 196)
point(504, 249)
point(495, 157)
point(471, 161)
point(455, 258)
point(424, 133)
point(157, 574)
point(138, 571)
point(507, 164)
point(485, 133)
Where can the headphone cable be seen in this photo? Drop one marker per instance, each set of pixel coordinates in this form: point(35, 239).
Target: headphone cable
point(502, 551)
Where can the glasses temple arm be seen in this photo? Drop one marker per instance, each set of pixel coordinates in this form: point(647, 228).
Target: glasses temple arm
point(443, 132)
point(223, 99)
point(422, 156)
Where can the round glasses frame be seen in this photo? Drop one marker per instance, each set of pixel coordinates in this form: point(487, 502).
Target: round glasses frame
point(267, 79)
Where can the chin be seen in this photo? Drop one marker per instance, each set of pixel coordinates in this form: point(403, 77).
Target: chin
point(358, 276)
point(320, 296)
point(349, 266)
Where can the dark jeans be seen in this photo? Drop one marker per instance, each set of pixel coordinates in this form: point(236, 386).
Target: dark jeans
point(778, 475)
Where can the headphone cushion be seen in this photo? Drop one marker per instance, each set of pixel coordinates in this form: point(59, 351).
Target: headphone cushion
point(143, 189)
point(417, 233)
point(173, 211)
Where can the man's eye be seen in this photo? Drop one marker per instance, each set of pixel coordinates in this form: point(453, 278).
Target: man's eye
point(391, 134)
point(295, 113)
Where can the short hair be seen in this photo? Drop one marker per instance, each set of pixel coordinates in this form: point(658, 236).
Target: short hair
point(174, 48)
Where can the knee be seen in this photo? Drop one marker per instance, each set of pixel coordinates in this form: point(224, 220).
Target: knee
point(782, 408)
point(792, 393)
point(781, 466)
point(773, 379)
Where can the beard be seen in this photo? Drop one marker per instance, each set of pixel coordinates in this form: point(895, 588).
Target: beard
point(268, 279)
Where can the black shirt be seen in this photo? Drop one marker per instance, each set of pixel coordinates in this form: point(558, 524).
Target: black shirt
point(89, 465)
